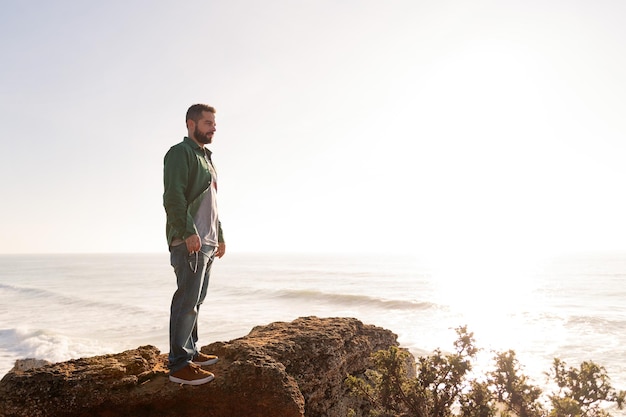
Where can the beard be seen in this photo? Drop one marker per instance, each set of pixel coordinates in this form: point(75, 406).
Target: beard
point(204, 138)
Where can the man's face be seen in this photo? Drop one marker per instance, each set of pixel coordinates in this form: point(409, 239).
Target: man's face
point(205, 128)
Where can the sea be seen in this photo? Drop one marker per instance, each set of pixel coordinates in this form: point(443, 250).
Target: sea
point(573, 307)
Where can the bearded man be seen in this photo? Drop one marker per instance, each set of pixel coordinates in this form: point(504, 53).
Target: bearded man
point(195, 238)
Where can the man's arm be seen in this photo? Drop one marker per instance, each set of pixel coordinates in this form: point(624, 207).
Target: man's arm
point(175, 179)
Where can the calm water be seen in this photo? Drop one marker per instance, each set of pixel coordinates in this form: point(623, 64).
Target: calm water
point(58, 307)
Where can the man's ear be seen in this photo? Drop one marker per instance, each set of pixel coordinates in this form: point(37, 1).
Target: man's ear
point(191, 125)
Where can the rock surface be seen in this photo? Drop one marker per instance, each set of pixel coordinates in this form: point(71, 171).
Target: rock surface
point(279, 370)
point(22, 365)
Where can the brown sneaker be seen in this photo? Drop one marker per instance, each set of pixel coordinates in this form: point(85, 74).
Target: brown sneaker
point(202, 359)
point(191, 375)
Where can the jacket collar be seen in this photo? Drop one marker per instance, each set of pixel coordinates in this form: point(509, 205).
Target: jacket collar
point(195, 146)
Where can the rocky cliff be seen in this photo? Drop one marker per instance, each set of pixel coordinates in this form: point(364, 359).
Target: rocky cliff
point(279, 370)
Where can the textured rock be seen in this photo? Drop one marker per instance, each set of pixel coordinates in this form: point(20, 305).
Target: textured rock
point(22, 365)
point(279, 370)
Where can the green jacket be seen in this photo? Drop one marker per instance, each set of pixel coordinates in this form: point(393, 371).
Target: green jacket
point(186, 178)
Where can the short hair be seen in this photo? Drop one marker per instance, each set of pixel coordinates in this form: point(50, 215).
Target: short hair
point(195, 112)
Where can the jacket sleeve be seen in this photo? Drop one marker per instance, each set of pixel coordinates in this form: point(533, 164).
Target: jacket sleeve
point(175, 196)
point(220, 233)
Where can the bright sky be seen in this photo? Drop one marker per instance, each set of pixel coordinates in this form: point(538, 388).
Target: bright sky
point(429, 127)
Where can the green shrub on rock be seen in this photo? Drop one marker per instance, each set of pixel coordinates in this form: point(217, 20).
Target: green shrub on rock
point(439, 385)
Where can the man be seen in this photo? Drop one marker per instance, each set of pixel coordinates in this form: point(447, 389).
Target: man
point(194, 236)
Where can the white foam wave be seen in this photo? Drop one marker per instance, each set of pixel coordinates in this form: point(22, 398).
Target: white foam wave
point(41, 344)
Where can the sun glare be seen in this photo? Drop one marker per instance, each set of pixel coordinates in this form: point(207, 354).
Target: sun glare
point(486, 291)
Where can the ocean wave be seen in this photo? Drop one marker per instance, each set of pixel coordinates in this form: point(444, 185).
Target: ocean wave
point(353, 300)
point(44, 344)
point(52, 297)
point(310, 295)
point(597, 323)
point(31, 292)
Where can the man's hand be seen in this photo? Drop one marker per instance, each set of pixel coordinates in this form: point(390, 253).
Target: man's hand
point(221, 249)
point(193, 244)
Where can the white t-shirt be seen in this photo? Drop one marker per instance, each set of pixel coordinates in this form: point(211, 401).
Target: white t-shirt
point(206, 219)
